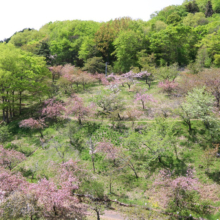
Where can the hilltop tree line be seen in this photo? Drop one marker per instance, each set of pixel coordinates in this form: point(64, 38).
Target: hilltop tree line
point(177, 34)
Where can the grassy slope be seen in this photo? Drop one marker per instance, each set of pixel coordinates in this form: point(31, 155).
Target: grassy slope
point(125, 187)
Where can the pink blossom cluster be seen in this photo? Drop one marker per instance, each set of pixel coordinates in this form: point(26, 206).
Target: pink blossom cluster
point(142, 74)
point(128, 78)
point(99, 77)
point(10, 158)
point(32, 123)
point(108, 149)
point(143, 98)
point(53, 108)
point(129, 75)
point(76, 106)
point(56, 71)
point(188, 182)
point(168, 86)
point(49, 198)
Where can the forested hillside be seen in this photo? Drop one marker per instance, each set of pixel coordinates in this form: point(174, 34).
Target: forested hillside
point(177, 34)
point(120, 115)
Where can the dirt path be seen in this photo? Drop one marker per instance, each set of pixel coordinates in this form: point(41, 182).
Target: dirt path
point(111, 215)
point(148, 121)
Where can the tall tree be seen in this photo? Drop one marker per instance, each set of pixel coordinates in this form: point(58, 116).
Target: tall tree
point(23, 77)
point(209, 10)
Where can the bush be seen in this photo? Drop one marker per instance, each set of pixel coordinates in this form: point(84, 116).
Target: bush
point(4, 134)
point(217, 60)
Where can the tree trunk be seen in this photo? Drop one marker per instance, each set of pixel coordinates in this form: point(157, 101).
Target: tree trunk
point(20, 103)
point(119, 116)
point(41, 134)
point(80, 121)
point(110, 185)
point(143, 104)
point(93, 163)
point(159, 158)
point(98, 216)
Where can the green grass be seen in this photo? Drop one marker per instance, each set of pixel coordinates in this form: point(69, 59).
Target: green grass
point(125, 186)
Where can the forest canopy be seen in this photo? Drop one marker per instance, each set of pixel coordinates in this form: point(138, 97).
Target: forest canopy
point(175, 35)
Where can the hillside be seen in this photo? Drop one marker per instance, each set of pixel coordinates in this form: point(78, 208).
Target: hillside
point(141, 140)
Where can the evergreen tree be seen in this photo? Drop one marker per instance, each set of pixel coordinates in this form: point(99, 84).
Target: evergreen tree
point(45, 51)
point(209, 10)
point(192, 7)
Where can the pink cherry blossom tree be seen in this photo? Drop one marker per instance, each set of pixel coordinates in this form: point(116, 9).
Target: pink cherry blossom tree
point(168, 86)
point(45, 199)
point(108, 149)
point(148, 77)
point(33, 124)
point(143, 98)
point(76, 106)
point(10, 158)
point(99, 77)
point(56, 71)
point(129, 78)
point(53, 109)
point(179, 186)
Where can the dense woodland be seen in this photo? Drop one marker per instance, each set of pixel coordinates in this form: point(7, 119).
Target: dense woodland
point(121, 115)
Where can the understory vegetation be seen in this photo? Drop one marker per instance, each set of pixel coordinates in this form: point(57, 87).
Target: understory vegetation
point(142, 139)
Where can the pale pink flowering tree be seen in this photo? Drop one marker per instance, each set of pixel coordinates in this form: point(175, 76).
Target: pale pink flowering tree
point(108, 149)
point(10, 158)
point(44, 199)
point(129, 78)
point(168, 86)
point(76, 106)
point(105, 82)
point(113, 82)
point(10, 182)
point(56, 71)
point(55, 203)
point(187, 182)
point(114, 153)
point(144, 97)
point(33, 124)
point(53, 108)
point(148, 77)
point(99, 77)
point(179, 185)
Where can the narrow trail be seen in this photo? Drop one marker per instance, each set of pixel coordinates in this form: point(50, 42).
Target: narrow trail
point(111, 215)
point(147, 121)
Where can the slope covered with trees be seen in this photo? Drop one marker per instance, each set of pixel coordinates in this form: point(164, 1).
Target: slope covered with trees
point(142, 139)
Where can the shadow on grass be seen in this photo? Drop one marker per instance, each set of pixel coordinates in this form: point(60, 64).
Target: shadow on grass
point(215, 176)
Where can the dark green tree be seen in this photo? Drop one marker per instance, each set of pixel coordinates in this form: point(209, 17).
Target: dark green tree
point(192, 7)
point(45, 51)
point(95, 64)
point(209, 10)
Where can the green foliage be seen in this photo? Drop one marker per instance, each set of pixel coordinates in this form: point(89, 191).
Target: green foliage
point(210, 41)
point(173, 19)
point(94, 188)
point(192, 7)
point(95, 64)
point(203, 59)
point(168, 72)
point(217, 60)
point(198, 105)
point(188, 205)
point(127, 44)
point(195, 20)
point(165, 44)
point(23, 77)
point(209, 10)
point(4, 133)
